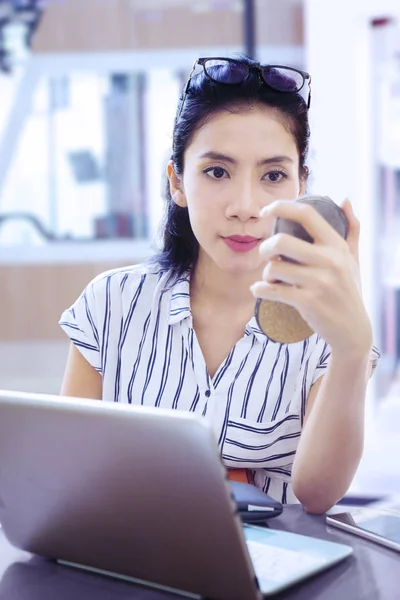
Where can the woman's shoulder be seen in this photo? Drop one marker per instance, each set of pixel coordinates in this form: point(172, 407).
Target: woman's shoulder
point(125, 280)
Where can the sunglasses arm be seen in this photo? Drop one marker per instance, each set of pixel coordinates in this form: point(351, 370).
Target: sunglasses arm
point(190, 77)
point(185, 93)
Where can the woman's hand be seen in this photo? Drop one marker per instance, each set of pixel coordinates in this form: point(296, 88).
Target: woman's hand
point(325, 287)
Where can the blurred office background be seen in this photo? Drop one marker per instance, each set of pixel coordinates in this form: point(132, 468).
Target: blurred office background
point(88, 90)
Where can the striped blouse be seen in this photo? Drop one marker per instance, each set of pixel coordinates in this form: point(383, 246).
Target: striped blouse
point(134, 326)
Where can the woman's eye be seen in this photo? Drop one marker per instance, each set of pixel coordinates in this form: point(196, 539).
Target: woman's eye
point(215, 172)
point(275, 176)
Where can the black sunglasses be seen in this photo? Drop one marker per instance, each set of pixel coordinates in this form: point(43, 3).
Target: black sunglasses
point(228, 71)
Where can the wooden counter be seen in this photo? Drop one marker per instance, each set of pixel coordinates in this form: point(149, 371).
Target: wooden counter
point(38, 284)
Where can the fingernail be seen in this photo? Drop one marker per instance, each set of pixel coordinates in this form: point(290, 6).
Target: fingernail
point(253, 289)
point(347, 201)
point(265, 210)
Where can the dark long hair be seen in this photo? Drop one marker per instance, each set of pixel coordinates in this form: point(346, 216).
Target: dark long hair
point(205, 98)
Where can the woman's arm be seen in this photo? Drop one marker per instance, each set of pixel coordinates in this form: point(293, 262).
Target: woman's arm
point(332, 439)
point(80, 378)
point(324, 286)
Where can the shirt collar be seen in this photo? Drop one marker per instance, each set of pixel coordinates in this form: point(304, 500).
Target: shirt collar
point(180, 307)
point(180, 300)
point(252, 328)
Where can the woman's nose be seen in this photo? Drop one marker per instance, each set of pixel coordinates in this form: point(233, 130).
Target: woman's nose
point(245, 204)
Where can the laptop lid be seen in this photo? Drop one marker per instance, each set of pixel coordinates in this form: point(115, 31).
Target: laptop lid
point(111, 488)
point(131, 490)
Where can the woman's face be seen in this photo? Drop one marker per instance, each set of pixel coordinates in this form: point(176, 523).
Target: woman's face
point(236, 164)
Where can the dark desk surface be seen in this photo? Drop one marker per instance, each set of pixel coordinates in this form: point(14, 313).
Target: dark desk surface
point(372, 573)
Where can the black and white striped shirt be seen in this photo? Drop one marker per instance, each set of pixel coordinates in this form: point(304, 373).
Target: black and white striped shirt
point(134, 326)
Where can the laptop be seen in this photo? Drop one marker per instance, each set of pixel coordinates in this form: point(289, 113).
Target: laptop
point(138, 493)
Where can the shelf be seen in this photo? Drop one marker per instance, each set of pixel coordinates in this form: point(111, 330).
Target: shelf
point(127, 251)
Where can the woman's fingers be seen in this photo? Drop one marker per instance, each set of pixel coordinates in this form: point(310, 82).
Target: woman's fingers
point(353, 236)
point(278, 292)
point(314, 223)
point(296, 275)
point(288, 246)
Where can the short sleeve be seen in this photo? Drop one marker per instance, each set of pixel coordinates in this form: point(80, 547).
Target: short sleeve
point(323, 361)
point(375, 356)
point(80, 323)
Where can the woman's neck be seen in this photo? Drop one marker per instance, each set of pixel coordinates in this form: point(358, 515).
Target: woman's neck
point(218, 287)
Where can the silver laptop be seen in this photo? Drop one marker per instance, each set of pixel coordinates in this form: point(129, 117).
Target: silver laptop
point(138, 493)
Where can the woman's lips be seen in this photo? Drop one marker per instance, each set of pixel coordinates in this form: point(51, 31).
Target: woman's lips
point(241, 243)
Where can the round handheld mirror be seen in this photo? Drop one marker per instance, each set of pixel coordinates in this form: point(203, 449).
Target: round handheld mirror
point(280, 322)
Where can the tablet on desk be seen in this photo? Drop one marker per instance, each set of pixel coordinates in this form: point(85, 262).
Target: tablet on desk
point(380, 525)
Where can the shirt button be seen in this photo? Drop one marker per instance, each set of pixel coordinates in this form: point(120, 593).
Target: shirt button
point(208, 393)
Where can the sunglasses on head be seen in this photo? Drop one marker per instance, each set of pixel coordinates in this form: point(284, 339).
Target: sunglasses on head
point(228, 71)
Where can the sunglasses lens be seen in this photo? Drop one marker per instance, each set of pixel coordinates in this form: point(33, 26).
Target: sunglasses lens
point(225, 71)
point(284, 80)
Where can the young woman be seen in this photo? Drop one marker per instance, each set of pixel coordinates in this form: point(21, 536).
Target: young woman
point(179, 331)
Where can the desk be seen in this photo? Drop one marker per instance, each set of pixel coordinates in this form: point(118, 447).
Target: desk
point(373, 573)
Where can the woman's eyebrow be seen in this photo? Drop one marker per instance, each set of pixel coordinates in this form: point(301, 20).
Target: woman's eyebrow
point(275, 159)
point(218, 156)
point(264, 161)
